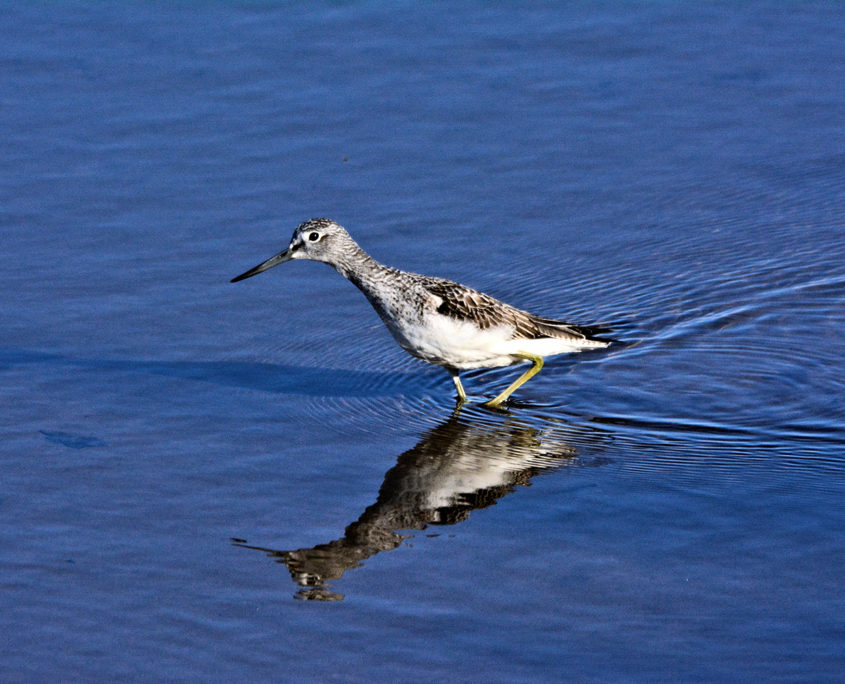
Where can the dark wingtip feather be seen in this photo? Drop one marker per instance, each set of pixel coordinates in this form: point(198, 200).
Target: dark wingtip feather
point(593, 332)
point(547, 326)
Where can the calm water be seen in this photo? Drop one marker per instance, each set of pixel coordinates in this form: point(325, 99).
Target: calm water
point(182, 458)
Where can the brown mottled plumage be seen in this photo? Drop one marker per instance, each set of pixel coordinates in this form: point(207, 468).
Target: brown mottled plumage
point(464, 303)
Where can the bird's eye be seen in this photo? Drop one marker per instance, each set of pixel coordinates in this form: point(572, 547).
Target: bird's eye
point(314, 237)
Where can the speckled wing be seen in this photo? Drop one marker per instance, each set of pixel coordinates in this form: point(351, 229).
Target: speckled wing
point(466, 304)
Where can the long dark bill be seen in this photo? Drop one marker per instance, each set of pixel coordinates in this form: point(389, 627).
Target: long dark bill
point(272, 261)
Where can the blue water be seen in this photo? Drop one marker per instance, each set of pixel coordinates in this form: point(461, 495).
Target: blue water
point(183, 458)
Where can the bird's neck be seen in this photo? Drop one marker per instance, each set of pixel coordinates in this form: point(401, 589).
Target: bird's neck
point(361, 269)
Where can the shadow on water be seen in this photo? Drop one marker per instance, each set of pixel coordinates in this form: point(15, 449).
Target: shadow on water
point(265, 377)
point(467, 462)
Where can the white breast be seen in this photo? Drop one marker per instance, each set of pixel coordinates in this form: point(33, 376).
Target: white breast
point(449, 342)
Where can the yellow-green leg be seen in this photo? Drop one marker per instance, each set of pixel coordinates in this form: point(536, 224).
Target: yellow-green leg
point(537, 362)
point(462, 396)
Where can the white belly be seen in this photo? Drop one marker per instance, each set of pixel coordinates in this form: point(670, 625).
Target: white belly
point(446, 341)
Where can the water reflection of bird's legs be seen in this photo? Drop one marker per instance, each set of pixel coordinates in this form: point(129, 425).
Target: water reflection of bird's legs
point(537, 364)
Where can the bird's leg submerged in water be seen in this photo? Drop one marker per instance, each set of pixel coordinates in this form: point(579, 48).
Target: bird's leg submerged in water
point(462, 396)
point(537, 364)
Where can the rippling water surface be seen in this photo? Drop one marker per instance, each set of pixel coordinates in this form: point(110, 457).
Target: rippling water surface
point(182, 458)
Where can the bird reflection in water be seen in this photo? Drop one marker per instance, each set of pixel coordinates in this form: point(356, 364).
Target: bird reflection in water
point(457, 467)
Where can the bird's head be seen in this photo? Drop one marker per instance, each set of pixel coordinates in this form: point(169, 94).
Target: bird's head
point(317, 239)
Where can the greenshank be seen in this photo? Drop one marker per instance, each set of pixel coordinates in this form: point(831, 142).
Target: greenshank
point(437, 320)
